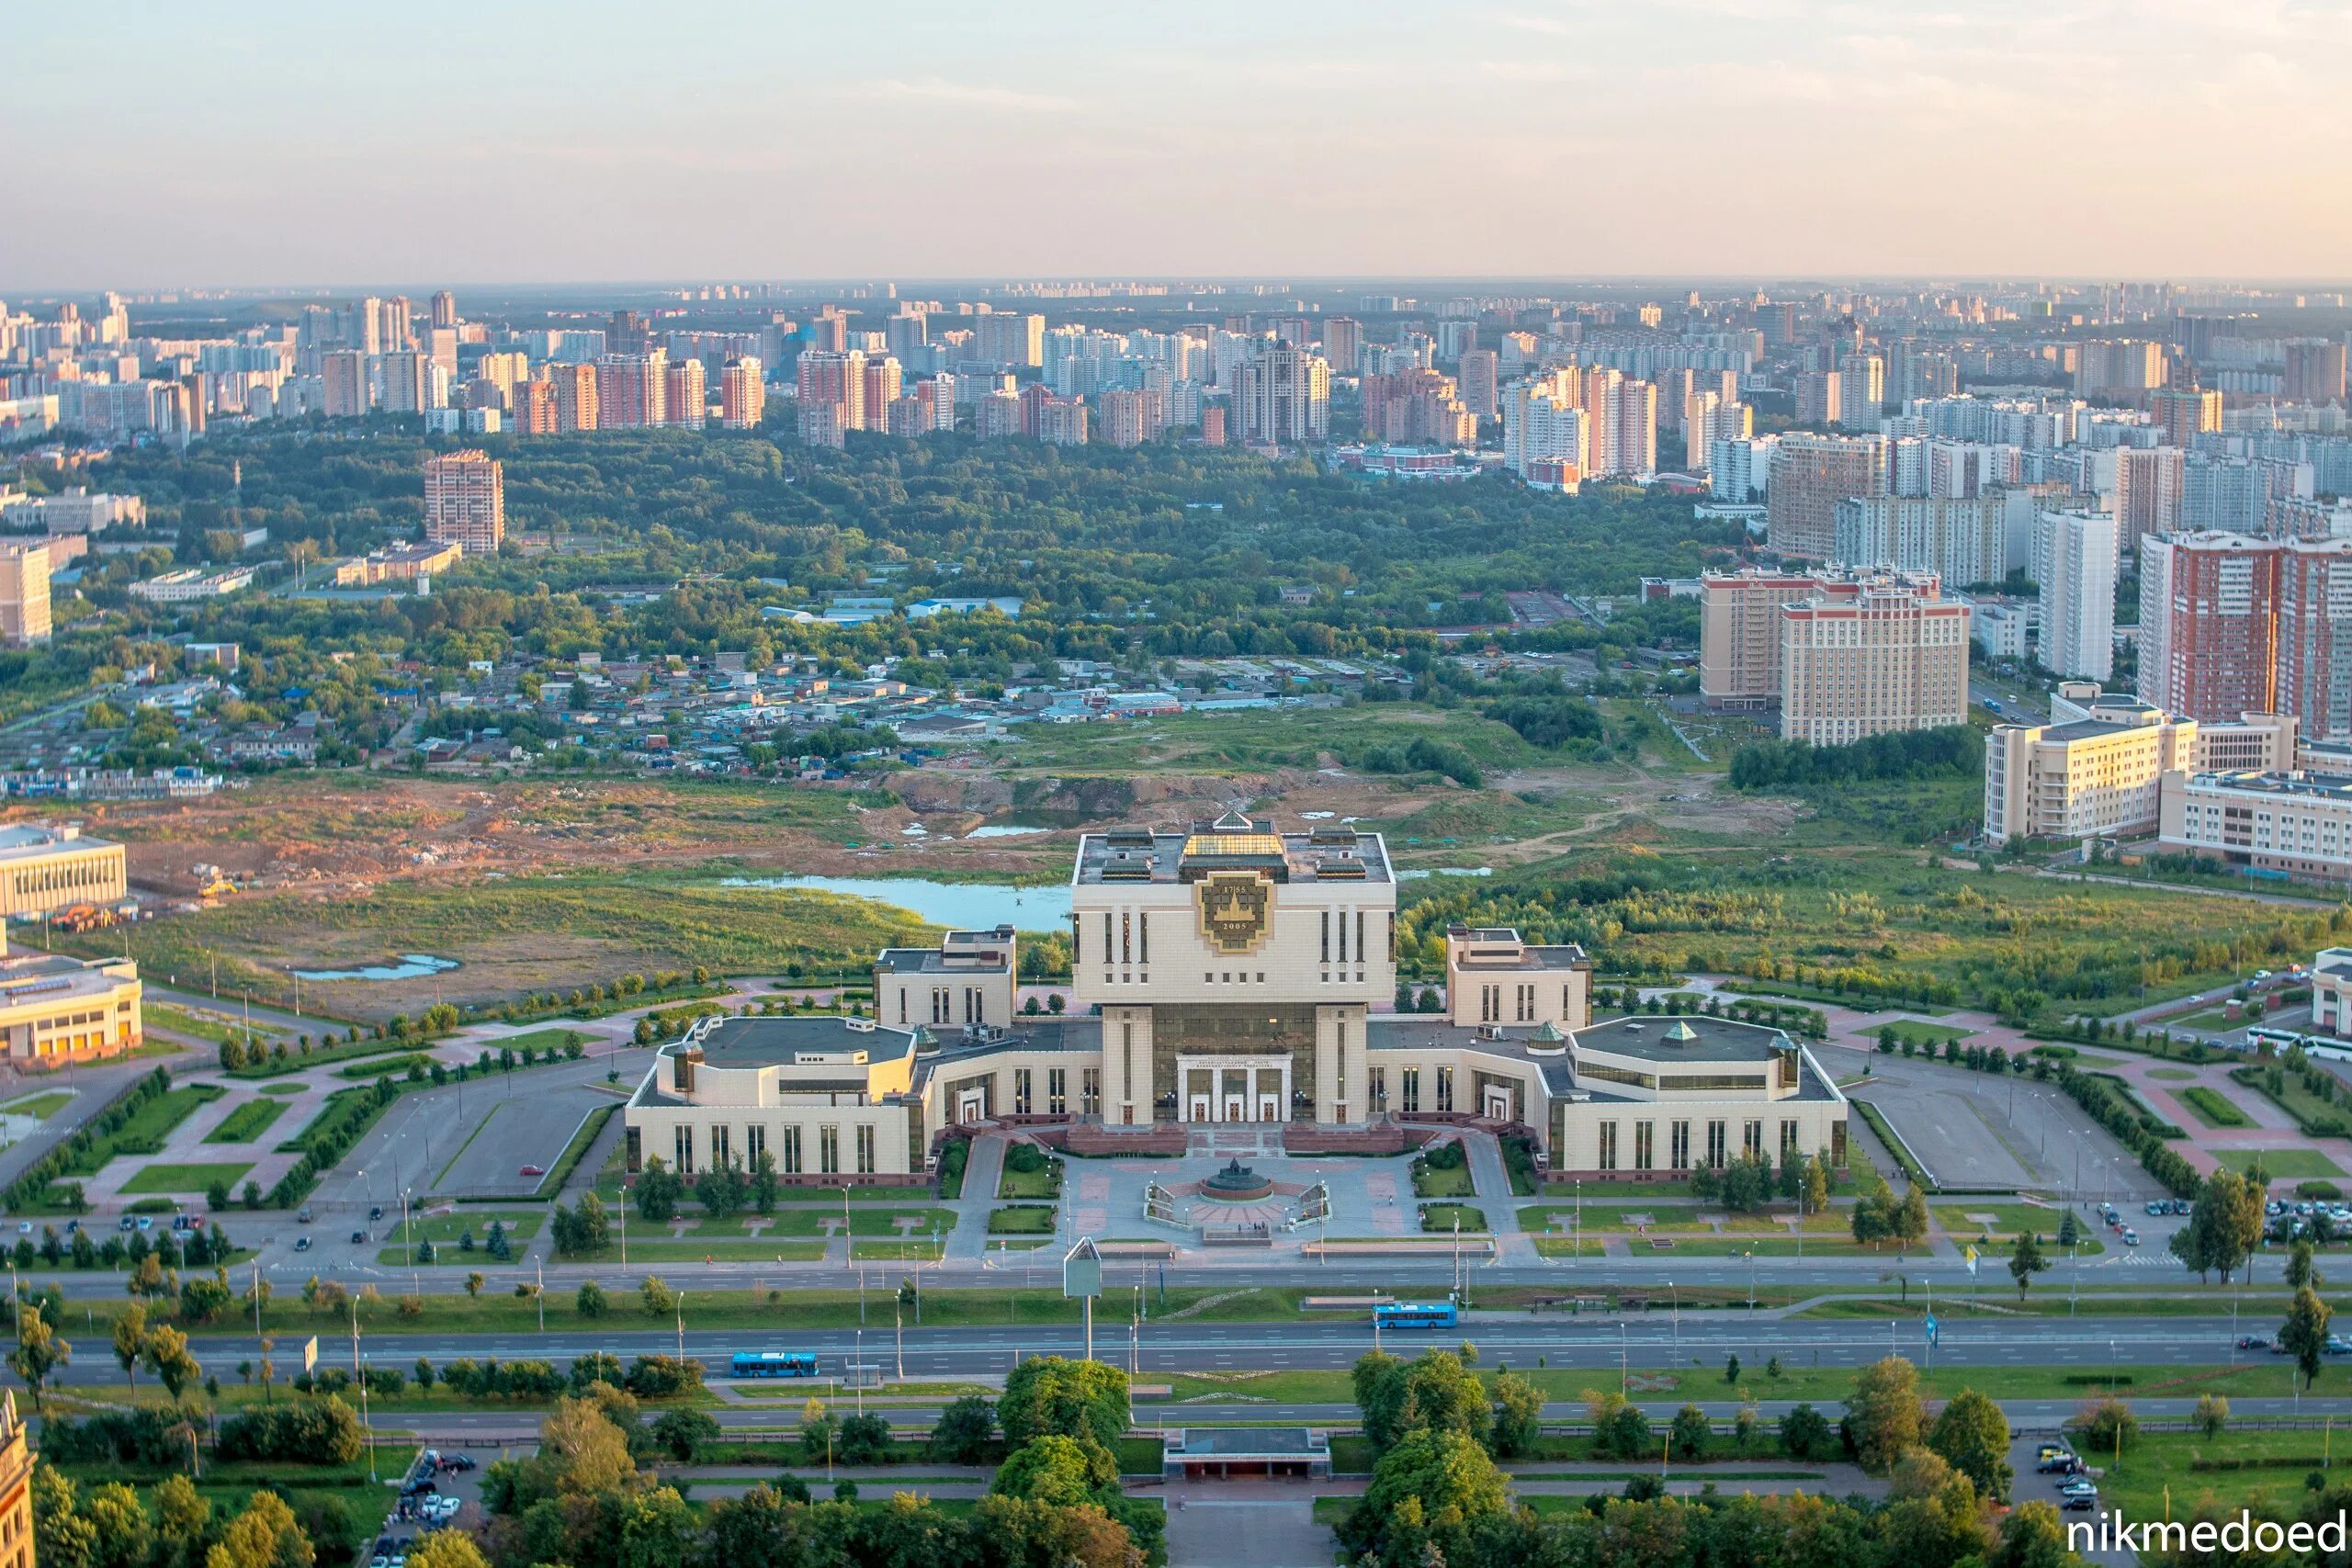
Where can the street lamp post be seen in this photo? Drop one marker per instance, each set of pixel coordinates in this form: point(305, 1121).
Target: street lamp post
point(678, 1303)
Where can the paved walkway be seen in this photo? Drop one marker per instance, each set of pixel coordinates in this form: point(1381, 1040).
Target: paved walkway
point(968, 1242)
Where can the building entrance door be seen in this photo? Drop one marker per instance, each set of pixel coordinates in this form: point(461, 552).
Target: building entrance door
point(1269, 1109)
point(1233, 1107)
point(1497, 1106)
point(1199, 1110)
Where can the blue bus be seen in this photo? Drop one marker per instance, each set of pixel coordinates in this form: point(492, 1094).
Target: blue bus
point(1409, 1314)
point(774, 1364)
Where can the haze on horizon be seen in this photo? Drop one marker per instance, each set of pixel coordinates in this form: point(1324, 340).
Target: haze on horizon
point(293, 145)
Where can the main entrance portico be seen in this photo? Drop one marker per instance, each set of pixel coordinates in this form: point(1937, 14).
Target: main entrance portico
point(1234, 1089)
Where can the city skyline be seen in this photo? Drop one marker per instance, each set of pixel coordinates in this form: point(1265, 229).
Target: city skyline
point(1553, 139)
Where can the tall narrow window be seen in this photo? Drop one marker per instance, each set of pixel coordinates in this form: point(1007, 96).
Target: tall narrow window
point(792, 1151)
point(865, 1151)
point(828, 1151)
point(1326, 936)
point(1359, 936)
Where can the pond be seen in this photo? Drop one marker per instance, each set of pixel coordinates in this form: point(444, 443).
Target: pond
point(412, 966)
point(964, 906)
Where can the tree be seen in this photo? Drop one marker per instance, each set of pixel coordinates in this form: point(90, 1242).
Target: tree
point(38, 1350)
point(1065, 1472)
point(721, 1191)
point(168, 1356)
point(763, 1182)
point(964, 1430)
point(2301, 1268)
point(131, 1341)
point(1380, 1396)
point(1883, 1413)
point(864, 1439)
point(818, 1431)
point(447, 1549)
point(2031, 1537)
point(61, 1535)
point(2212, 1413)
point(1805, 1434)
point(591, 1301)
point(1428, 1475)
point(1687, 1438)
point(1519, 1416)
point(264, 1536)
point(2070, 1233)
point(1972, 1436)
point(1816, 1185)
point(657, 1190)
point(2304, 1334)
point(474, 1283)
point(2026, 1260)
point(1909, 1221)
point(685, 1433)
point(1053, 1396)
point(659, 1298)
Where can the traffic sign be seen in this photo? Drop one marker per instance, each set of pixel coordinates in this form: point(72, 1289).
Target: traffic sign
point(1082, 1271)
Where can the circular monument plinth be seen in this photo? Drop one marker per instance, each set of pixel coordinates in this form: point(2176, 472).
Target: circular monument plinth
point(1237, 1183)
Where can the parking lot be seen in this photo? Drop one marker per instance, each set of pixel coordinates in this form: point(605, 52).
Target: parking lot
point(1973, 1130)
point(417, 1511)
point(516, 1128)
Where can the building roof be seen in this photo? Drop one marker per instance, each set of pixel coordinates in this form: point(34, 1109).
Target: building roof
point(1249, 1442)
point(739, 1043)
point(31, 841)
point(1691, 1037)
point(1330, 852)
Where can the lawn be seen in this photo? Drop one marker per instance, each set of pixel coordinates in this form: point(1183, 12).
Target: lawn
point(148, 1126)
point(1027, 1219)
point(2292, 1164)
point(440, 1229)
point(369, 1071)
point(865, 1220)
point(1612, 1218)
point(40, 1107)
point(199, 1025)
point(1441, 1217)
point(1443, 1181)
point(2159, 1471)
point(1918, 1033)
point(284, 1089)
point(2009, 1219)
point(2174, 1075)
point(185, 1178)
point(247, 1122)
point(2212, 1107)
point(1043, 1184)
point(2308, 1109)
point(921, 1251)
point(1569, 1247)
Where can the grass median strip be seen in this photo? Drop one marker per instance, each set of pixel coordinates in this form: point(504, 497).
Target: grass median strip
point(2212, 1107)
point(247, 1122)
point(162, 1178)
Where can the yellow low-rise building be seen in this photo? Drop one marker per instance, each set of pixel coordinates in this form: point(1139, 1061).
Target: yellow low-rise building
point(54, 1009)
point(44, 869)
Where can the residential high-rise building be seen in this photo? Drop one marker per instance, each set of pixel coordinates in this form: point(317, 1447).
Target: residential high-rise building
point(2148, 493)
point(399, 376)
point(1061, 422)
point(2209, 625)
point(883, 381)
point(1212, 424)
point(24, 592)
point(742, 394)
point(686, 401)
point(2121, 369)
point(1625, 423)
point(1707, 419)
point(1811, 474)
point(2185, 412)
point(1481, 392)
point(2073, 565)
point(1543, 424)
point(444, 309)
point(1739, 633)
point(1962, 539)
point(578, 406)
point(632, 389)
point(535, 408)
point(2314, 371)
point(1887, 653)
point(1131, 418)
point(1283, 397)
point(465, 500)
point(1009, 338)
point(1343, 344)
point(1862, 391)
point(836, 380)
point(345, 384)
point(1820, 398)
point(2315, 635)
point(936, 397)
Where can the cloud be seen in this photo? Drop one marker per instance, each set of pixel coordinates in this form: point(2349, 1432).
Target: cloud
point(1557, 27)
point(1530, 70)
point(938, 90)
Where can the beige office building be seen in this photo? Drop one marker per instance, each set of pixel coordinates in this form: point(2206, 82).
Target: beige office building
point(44, 869)
point(1228, 976)
point(2100, 776)
point(2293, 824)
point(24, 592)
point(1887, 653)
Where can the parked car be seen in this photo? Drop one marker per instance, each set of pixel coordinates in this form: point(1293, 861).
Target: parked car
point(359, 1236)
point(126, 1222)
point(2078, 1504)
point(301, 1244)
point(2252, 1342)
point(146, 1222)
point(2081, 1486)
point(376, 1211)
point(532, 1170)
point(2131, 1236)
point(303, 1216)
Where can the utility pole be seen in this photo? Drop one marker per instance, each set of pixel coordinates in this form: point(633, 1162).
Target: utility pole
point(679, 1304)
point(898, 1325)
point(541, 1294)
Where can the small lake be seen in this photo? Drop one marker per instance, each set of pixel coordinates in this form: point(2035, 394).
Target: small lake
point(412, 966)
point(1004, 830)
point(964, 906)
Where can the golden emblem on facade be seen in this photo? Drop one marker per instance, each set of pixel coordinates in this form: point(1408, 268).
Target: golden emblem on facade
point(1236, 910)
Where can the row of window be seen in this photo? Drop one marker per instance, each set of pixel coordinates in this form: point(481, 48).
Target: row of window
point(790, 1151)
point(79, 875)
point(943, 1001)
point(1751, 1142)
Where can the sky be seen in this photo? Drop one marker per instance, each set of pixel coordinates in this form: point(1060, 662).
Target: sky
point(269, 144)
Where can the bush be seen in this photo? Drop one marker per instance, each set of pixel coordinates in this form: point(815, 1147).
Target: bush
point(304, 1431)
